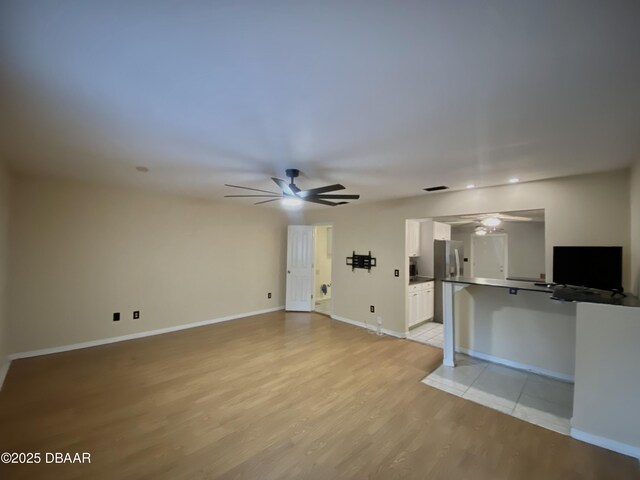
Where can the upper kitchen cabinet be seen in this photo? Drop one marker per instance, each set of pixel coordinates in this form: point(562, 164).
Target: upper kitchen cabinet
point(413, 238)
point(441, 231)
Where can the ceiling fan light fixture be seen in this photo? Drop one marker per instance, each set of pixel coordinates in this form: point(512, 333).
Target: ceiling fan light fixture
point(291, 202)
point(491, 222)
point(481, 231)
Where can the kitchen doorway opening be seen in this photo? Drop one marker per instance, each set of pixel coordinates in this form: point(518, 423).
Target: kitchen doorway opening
point(323, 251)
point(422, 235)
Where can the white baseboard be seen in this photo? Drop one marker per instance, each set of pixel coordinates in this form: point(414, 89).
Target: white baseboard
point(132, 336)
point(607, 443)
point(520, 366)
point(371, 327)
point(4, 369)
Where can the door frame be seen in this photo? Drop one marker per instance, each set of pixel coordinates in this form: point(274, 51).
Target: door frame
point(330, 225)
point(506, 251)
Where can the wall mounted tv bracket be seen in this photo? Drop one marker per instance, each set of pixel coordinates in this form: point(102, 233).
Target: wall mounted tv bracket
point(361, 261)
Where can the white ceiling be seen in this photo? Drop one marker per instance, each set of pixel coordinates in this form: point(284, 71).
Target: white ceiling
point(384, 97)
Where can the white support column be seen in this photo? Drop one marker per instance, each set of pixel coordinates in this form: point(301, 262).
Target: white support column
point(448, 320)
point(449, 290)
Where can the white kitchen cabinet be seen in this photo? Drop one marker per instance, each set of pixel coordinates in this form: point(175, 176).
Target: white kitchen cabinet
point(422, 306)
point(413, 238)
point(441, 231)
point(428, 300)
point(413, 308)
point(420, 303)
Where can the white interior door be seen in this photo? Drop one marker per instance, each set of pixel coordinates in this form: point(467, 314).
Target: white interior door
point(300, 268)
point(490, 255)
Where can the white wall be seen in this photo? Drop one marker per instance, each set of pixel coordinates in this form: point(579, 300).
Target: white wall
point(607, 388)
point(5, 344)
point(425, 261)
point(81, 252)
point(526, 255)
point(635, 228)
point(322, 260)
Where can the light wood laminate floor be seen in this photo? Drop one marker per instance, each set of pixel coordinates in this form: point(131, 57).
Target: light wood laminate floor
point(272, 396)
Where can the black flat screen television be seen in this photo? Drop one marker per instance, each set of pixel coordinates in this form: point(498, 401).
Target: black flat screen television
point(592, 267)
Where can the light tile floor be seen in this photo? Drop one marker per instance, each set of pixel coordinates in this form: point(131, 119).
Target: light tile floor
point(430, 333)
point(530, 397)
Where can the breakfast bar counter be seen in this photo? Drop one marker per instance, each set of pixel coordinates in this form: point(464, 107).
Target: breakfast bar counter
point(452, 285)
point(559, 294)
point(496, 282)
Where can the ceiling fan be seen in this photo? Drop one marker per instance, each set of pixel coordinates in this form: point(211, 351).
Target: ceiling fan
point(485, 218)
point(290, 192)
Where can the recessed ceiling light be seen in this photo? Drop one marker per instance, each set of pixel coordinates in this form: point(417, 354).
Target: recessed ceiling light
point(142, 169)
point(291, 202)
point(471, 185)
point(514, 180)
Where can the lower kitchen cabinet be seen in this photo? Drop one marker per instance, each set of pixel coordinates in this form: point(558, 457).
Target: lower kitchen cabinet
point(428, 301)
point(420, 302)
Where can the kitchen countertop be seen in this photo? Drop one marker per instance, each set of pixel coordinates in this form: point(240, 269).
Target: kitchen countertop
point(559, 292)
point(493, 282)
point(419, 279)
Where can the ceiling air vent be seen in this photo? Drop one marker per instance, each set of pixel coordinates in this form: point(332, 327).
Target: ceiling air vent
point(435, 189)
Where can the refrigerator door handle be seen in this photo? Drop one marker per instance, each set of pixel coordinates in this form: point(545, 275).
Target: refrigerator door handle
point(458, 271)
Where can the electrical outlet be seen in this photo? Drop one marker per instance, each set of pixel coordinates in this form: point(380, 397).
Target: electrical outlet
point(373, 309)
point(136, 314)
point(116, 317)
point(269, 295)
point(396, 273)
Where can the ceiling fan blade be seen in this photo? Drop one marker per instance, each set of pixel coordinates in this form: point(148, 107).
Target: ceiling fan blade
point(284, 186)
point(317, 191)
point(503, 216)
point(249, 188)
point(236, 196)
point(513, 218)
point(267, 201)
point(461, 222)
point(337, 197)
point(322, 202)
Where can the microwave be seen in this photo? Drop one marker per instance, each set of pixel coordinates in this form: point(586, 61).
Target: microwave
point(413, 269)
